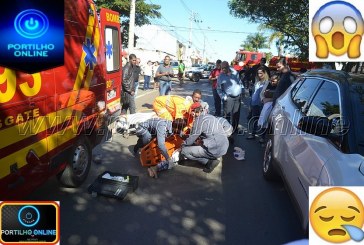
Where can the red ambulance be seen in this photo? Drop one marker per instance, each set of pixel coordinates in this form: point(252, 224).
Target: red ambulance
point(51, 120)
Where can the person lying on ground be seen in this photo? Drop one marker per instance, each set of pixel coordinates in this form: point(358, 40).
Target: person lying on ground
point(160, 129)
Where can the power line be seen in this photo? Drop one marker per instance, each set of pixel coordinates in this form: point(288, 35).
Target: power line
point(195, 16)
point(185, 6)
point(208, 30)
point(173, 30)
point(179, 37)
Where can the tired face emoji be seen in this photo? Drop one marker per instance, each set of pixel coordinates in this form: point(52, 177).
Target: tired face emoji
point(337, 28)
point(332, 210)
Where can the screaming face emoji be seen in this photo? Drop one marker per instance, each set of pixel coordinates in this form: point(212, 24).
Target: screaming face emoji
point(337, 28)
point(334, 208)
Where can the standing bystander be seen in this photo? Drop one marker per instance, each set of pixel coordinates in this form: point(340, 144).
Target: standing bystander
point(267, 98)
point(286, 78)
point(256, 101)
point(251, 74)
point(147, 71)
point(181, 72)
point(229, 88)
point(128, 86)
point(213, 78)
point(165, 74)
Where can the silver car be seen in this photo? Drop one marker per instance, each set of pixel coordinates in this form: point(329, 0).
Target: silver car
point(316, 135)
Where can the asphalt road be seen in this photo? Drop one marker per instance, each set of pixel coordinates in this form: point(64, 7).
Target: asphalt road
point(232, 205)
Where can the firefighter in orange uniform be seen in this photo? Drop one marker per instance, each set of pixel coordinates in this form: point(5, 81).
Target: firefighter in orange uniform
point(171, 107)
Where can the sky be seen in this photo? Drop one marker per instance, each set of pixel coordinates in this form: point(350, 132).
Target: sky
point(215, 28)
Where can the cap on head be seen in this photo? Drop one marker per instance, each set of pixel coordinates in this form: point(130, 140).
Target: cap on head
point(195, 105)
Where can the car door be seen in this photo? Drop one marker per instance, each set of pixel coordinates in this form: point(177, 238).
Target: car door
point(291, 147)
point(326, 103)
point(308, 153)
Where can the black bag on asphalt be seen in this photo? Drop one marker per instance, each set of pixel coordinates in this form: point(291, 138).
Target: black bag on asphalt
point(113, 185)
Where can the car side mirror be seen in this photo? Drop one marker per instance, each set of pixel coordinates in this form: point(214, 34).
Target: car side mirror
point(320, 126)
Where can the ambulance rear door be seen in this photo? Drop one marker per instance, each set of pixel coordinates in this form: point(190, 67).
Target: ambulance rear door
point(110, 33)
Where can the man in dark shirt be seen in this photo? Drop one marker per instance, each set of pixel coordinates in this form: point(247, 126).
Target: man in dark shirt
point(286, 78)
point(128, 85)
point(138, 70)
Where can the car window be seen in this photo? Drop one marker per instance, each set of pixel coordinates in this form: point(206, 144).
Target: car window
point(304, 92)
point(174, 63)
point(326, 102)
point(240, 57)
point(296, 87)
point(357, 98)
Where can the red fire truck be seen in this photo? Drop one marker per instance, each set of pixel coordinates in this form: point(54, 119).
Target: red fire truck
point(246, 59)
point(294, 63)
point(50, 120)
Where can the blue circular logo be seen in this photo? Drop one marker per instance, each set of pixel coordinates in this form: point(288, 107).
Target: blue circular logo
point(31, 23)
point(28, 216)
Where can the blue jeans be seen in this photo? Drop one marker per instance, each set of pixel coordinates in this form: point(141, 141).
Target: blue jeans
point(217, 102)
point(253, 122)
point(164, 87)
point(146, 82)
point(136, 84)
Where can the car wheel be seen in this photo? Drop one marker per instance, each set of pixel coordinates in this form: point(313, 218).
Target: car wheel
point(269, 172)
point(78, 166)
point(195, 77)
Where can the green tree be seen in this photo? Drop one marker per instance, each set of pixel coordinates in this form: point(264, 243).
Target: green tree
point(278, 38)
point(268, 56)
point(247, 46)
point(143, 13)
point(288, 17)
point(255, 41)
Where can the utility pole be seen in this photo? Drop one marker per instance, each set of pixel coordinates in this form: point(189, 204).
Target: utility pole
point(189, 52)
point(203, 52)
point(131, 27)
point(193, 18)
point(190, 36)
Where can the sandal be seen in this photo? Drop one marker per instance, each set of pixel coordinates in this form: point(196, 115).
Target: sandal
point(152, 172)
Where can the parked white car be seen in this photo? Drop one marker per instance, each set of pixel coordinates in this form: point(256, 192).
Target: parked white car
point(316, 135)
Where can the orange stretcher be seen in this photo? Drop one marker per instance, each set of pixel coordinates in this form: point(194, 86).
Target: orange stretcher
point(150, 155)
